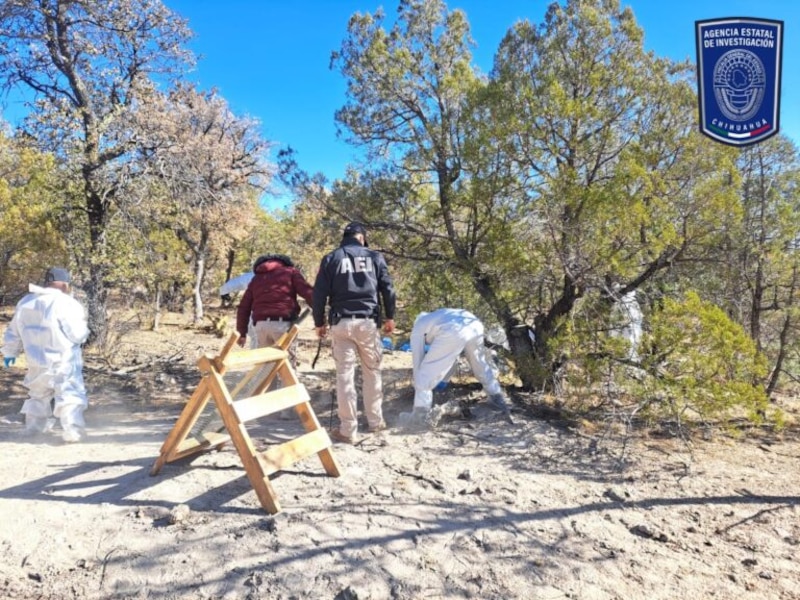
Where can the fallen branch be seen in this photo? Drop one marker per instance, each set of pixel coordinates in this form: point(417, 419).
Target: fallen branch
point(175, 357)
point(435, 483)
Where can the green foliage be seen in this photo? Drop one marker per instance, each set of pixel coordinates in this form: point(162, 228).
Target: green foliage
point(696, 367)
point(702, 364)
point(90, 67)
point(298, 233)
point(528, 195)
point(574, 165)
point(30, 216)
point(762, 258)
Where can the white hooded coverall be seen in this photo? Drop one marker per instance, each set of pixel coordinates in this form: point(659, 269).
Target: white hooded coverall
point(447, 332)
point(50, 326)
point(629, 315)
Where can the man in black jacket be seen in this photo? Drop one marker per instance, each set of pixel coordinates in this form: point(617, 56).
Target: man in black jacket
point(353, 280)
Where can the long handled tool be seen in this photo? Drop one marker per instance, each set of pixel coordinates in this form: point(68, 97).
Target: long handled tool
point(316, 356)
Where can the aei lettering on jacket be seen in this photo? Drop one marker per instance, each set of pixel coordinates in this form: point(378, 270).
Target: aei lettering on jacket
point(356, 264)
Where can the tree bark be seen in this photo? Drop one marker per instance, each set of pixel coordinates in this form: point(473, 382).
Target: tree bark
point(157, 308)
point(96, 290)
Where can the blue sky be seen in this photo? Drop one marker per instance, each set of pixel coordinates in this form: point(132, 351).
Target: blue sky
point(270, 58)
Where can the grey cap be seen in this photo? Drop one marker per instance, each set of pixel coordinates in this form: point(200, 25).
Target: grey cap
point(57, 274)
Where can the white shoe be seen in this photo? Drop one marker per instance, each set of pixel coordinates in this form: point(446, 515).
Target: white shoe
point(498, 402)
point(434, 415)
point(35, 425)
point(73, 433)
point(418, 419)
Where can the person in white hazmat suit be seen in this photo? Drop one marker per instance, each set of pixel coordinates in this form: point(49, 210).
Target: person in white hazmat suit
point(437, 340)
point(49, 326)
point(629, 317)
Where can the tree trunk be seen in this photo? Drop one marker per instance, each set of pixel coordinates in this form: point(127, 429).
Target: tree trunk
point(157, 308)
point(547, 368)
point(226, 300)
point(199, 272)
point(783, 348)
point(230, 257)
point(774, 377)
point(531, 360)
point(96, 291)
point(96, 297)
point(757, 298)
point(519, 342)
point(199, 276)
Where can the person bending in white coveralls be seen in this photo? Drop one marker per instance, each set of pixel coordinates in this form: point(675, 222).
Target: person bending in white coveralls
point(49, 325)
point(437, 340)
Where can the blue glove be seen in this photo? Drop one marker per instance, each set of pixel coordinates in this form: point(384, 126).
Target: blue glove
point(9, 360)
point(387, 343)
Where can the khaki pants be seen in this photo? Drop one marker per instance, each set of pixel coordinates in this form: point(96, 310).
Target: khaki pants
point(354, 340)
point(267, 333)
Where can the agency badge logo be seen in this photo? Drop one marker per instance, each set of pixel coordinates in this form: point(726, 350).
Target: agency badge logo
point(739, 78)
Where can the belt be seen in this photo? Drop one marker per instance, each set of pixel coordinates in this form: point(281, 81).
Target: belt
point(274, 319)
point(355, 317)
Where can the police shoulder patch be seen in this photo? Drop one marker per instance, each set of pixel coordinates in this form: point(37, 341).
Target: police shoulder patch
point(739, 78)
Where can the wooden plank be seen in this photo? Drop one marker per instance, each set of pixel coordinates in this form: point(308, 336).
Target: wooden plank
point(230, 345)
point(210, 439)
point(287, 338)
point(248, 358)
point(254, 378)
point(307, 417)
point(328, 461)
point(218, 360)
point(284, 371)
point(191, 411)
point(188, 417)
point(254, 407)
point(266, 382)
point(214, 438)
point(280, 457)
point(243, 444)
point(267, 375)
point(309, 420)
point(207, 438)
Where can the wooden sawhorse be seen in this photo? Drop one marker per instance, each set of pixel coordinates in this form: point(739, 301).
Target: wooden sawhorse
point(248, 401)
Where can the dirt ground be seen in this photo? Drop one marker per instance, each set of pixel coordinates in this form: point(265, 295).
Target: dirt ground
point(477, 508)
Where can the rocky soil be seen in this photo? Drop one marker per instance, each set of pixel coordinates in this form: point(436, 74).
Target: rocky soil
point(476, 508)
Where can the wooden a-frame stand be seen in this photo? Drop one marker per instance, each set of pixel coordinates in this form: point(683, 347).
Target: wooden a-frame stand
point(190, 435)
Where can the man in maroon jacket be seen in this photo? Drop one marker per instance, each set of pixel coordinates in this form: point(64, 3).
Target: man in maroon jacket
point(270, 300)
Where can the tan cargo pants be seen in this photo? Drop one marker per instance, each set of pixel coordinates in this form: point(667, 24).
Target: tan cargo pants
point(354, 340)
point(267, 333)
